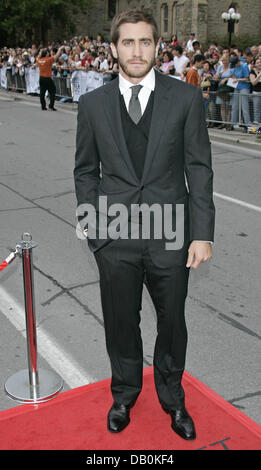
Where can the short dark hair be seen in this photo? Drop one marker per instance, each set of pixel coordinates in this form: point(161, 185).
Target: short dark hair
point(207, 62)
point(132, 16)
point(198, 58)
point(168, 53)
point(178, 49)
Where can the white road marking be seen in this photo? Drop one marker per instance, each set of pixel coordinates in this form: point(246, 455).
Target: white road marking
point(238, 201)
point(57, 358)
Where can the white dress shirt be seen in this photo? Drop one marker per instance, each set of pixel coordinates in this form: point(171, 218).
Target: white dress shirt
point(148, 85)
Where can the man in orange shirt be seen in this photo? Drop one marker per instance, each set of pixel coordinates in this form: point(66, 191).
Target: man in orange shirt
point(45, 63)
point(192, 76)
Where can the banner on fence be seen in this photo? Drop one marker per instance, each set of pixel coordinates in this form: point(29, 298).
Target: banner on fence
point(32, 80)
point(3, 78)
point(83, 82)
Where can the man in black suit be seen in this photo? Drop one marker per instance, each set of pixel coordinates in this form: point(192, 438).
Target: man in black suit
point(142, 139)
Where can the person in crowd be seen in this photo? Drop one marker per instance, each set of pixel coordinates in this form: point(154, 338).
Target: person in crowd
point(196, 47)
point(112, 70)
point(247, 58)
point(224, 98)
point(189, 45)
point(240, 77)
point(254, 51)
point(62, 66)
point(86, 59)
point(206, 76)
point(103, 66)
point(10, 69)
point(225, 51)
point(193, 76)
point(174, 41)
point(95, 63)
point(158, 63)
point(180, 61)
point(255, 79)
point(45, 62)
point(213, 49)
point(167, 66)
point(18, 72)
point(75, 63)
point(99, 40)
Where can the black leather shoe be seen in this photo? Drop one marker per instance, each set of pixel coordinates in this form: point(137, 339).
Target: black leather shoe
point(118, 417)
point(182, 423)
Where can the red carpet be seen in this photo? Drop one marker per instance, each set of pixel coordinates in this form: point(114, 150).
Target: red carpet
point(76, 420)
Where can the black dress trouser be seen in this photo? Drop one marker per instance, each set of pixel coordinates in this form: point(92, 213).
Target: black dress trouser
point(124, 265)
point(47, 83)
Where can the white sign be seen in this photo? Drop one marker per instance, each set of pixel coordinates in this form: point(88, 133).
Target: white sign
point(84, 82)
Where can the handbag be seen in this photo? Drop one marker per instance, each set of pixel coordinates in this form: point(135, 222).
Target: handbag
point(224, 90)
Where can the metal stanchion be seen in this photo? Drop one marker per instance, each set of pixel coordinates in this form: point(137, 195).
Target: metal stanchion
point(33, 385)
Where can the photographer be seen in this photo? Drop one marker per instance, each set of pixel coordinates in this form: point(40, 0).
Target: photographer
point(45, 62)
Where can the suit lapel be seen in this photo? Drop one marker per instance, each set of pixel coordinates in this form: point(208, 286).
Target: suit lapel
point(161, 109)
point(113, 114)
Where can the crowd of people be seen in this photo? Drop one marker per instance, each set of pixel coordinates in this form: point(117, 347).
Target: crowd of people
point(219, 71)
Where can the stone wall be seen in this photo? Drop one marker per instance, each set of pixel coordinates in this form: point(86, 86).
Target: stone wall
point(249, 24)
point(201, 16)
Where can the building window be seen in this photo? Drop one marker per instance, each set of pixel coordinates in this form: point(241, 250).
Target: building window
point(165, 18)
point(174, 18)
point(111, 8)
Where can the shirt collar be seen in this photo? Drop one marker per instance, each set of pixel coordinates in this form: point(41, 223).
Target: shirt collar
point(147, 82)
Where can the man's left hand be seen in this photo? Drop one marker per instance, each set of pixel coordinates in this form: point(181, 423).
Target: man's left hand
point(199, 251)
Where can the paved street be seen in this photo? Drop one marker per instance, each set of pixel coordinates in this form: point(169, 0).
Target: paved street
point(223, 304)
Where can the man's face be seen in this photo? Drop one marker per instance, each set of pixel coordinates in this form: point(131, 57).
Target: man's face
point(248, 58)
point(199, 65)
point(135, 50)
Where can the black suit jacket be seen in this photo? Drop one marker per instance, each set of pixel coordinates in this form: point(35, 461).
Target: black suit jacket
point(177, 165)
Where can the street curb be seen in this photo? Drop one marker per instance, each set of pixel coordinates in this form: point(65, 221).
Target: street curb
point(237, 139)
point(9, 96)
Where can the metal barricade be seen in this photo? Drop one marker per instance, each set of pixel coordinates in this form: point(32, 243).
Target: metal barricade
point(63, 87)
point(230, 109)
point(234, 109)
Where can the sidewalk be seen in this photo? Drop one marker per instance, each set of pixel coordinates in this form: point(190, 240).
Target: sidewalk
point(236, 137)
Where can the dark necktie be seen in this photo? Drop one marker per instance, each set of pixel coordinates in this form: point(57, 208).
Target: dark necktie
point(134, 105)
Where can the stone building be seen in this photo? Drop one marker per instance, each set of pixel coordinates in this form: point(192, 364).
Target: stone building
point(177, 17)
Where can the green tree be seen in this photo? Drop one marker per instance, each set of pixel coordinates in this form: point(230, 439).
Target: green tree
point(23, 21)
